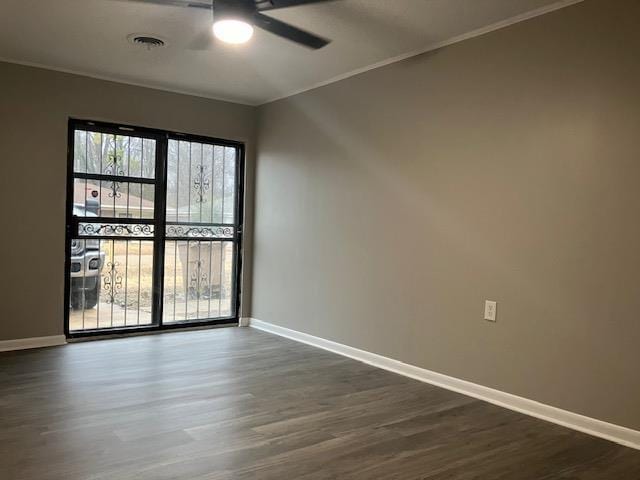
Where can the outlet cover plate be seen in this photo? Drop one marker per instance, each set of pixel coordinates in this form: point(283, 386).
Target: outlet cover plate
point(490, 308)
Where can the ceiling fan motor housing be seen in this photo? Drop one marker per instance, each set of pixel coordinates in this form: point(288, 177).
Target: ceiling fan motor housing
point(250, 12)
point(234, 10)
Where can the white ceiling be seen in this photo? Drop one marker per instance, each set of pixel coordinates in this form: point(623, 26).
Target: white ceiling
point(90, 37)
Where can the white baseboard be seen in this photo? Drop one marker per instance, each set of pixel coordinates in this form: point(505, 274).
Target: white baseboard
point(33, 342)
point(591, 426)
point(244, 321)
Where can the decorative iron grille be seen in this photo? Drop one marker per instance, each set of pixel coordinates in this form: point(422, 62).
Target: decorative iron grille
point(115, 230)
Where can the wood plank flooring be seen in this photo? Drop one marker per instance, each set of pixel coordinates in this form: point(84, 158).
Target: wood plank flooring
point(236, 403)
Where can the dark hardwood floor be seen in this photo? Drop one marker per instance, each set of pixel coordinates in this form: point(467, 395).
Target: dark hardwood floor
point(241, 404)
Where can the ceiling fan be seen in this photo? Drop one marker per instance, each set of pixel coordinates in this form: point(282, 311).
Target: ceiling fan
point(234, 20)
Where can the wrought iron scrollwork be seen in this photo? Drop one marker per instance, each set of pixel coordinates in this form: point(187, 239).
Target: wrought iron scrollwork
point(193, 231)
point(113, 164)
point(115, 190)
point(201, 184)
point(199, 281)
point(112, 281)
point(115, 229)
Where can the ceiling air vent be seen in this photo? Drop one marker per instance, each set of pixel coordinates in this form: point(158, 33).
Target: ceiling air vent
point(147, 41)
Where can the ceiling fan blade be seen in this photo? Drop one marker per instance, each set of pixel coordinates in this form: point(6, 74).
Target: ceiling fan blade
point(289, 32)
point(204, 4)
point(264, 5)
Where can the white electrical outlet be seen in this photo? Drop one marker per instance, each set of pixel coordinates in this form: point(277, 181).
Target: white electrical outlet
point(490, 308)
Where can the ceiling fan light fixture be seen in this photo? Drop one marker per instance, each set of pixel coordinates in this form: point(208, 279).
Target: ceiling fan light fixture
point(231, 30)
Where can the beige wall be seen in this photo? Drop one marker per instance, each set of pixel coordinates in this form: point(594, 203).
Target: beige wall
point(35, 106)
point(392, 204)
point(507, 167)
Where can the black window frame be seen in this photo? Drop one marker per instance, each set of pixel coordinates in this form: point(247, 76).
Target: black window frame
point(162, 138)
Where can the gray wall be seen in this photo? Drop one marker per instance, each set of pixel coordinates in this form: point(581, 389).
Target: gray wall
point(507, 167)
point(35, 106)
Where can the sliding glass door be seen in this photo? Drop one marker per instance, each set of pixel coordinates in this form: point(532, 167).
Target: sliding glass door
point(154, 225)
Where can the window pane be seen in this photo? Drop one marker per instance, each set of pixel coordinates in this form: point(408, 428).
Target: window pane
point(201, 185)
point(111, 283)
point(197, 280)
point(107, 198)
